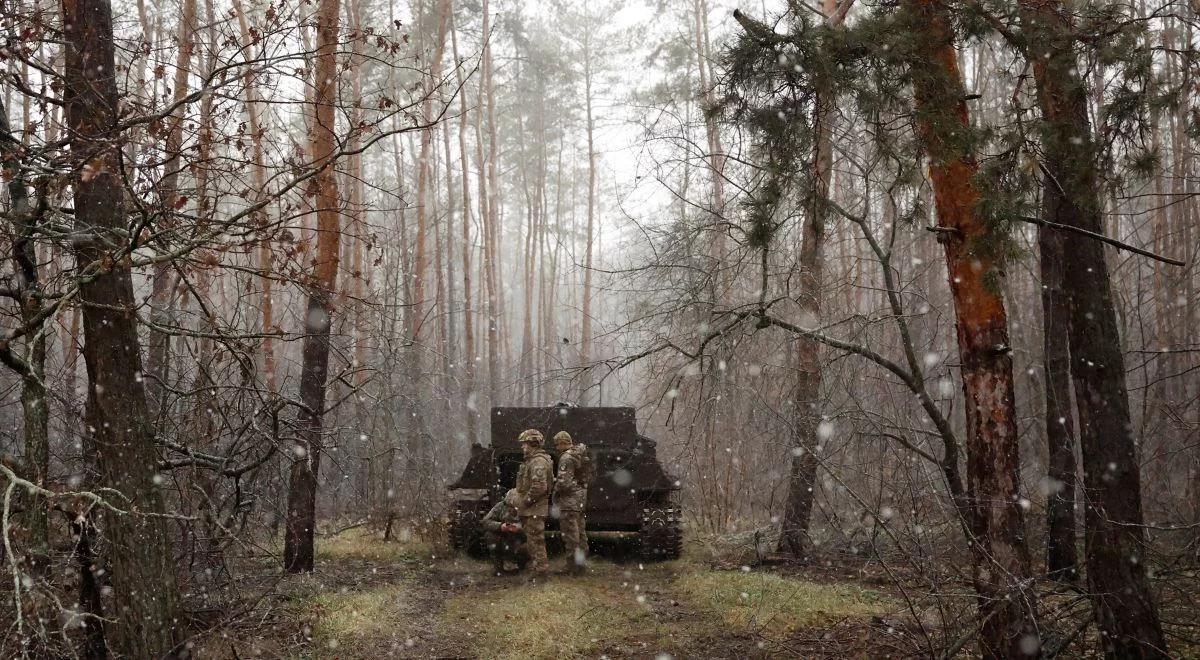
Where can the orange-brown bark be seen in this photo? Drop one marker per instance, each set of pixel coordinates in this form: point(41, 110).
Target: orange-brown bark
point(1007, 603)
point(266, 256)
point(302, 491)
point(421, 254)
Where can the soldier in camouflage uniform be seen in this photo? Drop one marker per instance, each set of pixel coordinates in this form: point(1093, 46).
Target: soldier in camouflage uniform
point(505, 538)
point(533, 488)
point(570, 497)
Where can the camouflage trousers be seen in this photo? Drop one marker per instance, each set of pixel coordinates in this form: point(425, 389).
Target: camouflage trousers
point(574, 536)
point(507, 546)
point(535, 542)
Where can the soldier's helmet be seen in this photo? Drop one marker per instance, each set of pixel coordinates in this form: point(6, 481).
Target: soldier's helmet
point(511, 498)
point(531, 436)
point(563, 437)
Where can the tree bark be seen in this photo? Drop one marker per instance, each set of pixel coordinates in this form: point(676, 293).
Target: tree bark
point(1007, 601)
point(802, 482)
point(95, 647)
point(716, 155)
point(469, 368)
point(266, 256)
point(1062, 560)
point(451, 327)
point(1115, 539)
point(145, 597)
point(31, 366)
point(302, 488)
point(489, 205)
point(425, 175)
point(585, 338)
point(208, 259)
point(162, 313)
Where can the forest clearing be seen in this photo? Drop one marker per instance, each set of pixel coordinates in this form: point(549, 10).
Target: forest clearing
point(599, 328)
point(374, 599)
point(370, 598)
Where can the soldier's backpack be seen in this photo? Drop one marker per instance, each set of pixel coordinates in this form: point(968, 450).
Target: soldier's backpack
point(587, 470)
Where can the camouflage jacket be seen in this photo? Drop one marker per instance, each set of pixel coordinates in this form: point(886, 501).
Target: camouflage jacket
point(570, 487)
point(500, 514)
point(533, 483)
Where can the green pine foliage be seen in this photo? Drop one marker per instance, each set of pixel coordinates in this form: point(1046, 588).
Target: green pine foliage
point(771, 76)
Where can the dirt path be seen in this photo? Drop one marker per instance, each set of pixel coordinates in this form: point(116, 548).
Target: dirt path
point(624, 609)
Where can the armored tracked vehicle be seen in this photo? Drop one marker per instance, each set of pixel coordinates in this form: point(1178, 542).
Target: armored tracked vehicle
point(631, 496)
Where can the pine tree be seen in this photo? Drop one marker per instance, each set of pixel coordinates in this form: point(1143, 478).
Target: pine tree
point(302, 487)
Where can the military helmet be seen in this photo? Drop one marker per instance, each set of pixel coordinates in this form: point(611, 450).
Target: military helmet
point(511, 498)
point(563, 436)
point(532, 436)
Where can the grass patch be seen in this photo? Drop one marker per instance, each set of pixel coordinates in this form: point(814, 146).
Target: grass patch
point(344, 619)
point(777, 605)
point(563, 618)
point(366, 545)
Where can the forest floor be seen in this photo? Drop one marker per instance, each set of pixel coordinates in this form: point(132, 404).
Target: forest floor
point(370, 599)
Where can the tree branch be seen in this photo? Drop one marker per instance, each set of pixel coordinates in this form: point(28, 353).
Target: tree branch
point(1102, 238)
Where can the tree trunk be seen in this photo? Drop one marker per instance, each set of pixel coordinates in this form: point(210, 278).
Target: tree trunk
point(425, 175)
point(95, 647)
point(469, 369)
point(528, 260)
point(716, 156)
point(141, 575)
point(162, 312)
point(802, 482)
point(585, 338)
point(450, 314)
point(208, 259)
point(1062, 561)
point(1115, 540)
point(302, 487)
point(489, 203)
point(31, 365)
point(1007, 602)
point(71, 364)
point(266, 256)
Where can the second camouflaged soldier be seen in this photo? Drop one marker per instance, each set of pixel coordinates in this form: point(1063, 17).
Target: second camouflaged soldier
point(570, 497)
point(533, 487)
point(505, 538)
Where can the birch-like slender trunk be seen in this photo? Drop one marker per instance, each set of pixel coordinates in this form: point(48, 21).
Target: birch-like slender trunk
point(469, 367)
point(489, 205)
point(585, 338)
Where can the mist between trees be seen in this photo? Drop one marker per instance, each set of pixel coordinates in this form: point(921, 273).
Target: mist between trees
point(913, 283)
